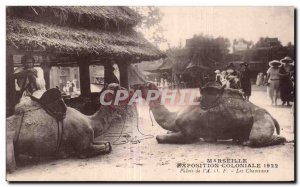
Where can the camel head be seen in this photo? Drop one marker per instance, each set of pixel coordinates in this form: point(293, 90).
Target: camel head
point(115, 95)
point(144, 88)
point(210, 93)
point(153, 97)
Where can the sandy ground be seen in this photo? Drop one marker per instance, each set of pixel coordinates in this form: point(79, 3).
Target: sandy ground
point(148, 160)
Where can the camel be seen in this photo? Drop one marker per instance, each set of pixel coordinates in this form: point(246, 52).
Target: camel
point(222, 114)
point(33, 132)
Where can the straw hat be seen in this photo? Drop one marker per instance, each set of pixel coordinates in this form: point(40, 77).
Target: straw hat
point(275, 63)
point(286, 60)
point(217, 71)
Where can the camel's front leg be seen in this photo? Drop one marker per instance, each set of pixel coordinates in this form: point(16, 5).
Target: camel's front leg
point(106, 143)
point(96, 149)
point(175, 138)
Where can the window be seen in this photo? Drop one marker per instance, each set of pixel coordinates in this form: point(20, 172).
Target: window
point(66, 79)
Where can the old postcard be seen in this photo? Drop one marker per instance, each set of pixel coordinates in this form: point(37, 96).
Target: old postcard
point(115, 93)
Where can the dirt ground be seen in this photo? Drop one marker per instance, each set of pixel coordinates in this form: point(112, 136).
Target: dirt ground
point(147, 160)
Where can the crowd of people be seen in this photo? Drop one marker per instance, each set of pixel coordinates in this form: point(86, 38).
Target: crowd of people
point(230, 78)
point(70, 88)
point(279, 80)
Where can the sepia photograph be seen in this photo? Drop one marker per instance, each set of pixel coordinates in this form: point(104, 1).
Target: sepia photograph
point(150, 93)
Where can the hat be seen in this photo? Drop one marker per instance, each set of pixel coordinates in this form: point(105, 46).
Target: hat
point(275, 63)
point(217, 71)
point(286, 60)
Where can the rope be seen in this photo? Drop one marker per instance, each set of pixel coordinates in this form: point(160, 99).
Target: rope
point(120, 134)
point(127, 136)
point(146, 136)
point(151, 117)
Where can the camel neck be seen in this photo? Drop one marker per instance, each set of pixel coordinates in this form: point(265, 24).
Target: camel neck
point(99, 122)
point(163, 116)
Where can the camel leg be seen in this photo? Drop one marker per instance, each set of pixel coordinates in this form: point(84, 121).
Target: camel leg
point(175, 138)
point(106, 143)
point(10, 153)
point(94, 150)
point(98, 142)
point(262, 131)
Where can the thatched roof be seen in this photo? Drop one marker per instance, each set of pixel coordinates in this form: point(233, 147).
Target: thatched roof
point(96, 17)
point(81, 30)
point(32, 36)
point(165, 66)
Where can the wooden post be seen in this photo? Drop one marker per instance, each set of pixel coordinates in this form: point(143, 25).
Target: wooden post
point(123, 68)
point(10, 85)
point(84, 71)
point(46, 66)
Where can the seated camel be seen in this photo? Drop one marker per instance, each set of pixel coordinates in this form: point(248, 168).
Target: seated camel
point(222, 114)
point(33, 132)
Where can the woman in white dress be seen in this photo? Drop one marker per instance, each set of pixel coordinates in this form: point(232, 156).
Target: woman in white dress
point(273, 81)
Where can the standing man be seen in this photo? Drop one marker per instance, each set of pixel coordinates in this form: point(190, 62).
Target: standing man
point(245, 81)
point(109, 76)
point(27, 77)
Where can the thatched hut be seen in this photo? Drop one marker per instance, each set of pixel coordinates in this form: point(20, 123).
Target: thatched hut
point(81, 36)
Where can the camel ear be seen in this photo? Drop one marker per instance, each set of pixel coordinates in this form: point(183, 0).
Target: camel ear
point(148, 84)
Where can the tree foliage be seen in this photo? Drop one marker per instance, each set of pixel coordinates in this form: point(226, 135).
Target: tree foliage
point(267, 42)
point(208, 48)
point(150, 24)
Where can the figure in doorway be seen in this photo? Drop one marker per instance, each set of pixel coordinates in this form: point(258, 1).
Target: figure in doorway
point(27, 77)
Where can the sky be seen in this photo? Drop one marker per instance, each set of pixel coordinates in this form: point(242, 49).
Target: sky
point(250, 23)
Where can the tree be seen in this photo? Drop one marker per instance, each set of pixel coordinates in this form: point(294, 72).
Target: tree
point(212, 51)
point(267, 42)
point(150, 24)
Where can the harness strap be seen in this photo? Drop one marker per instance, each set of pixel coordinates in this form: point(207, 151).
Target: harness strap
point(60, 131)
point(59, 118)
